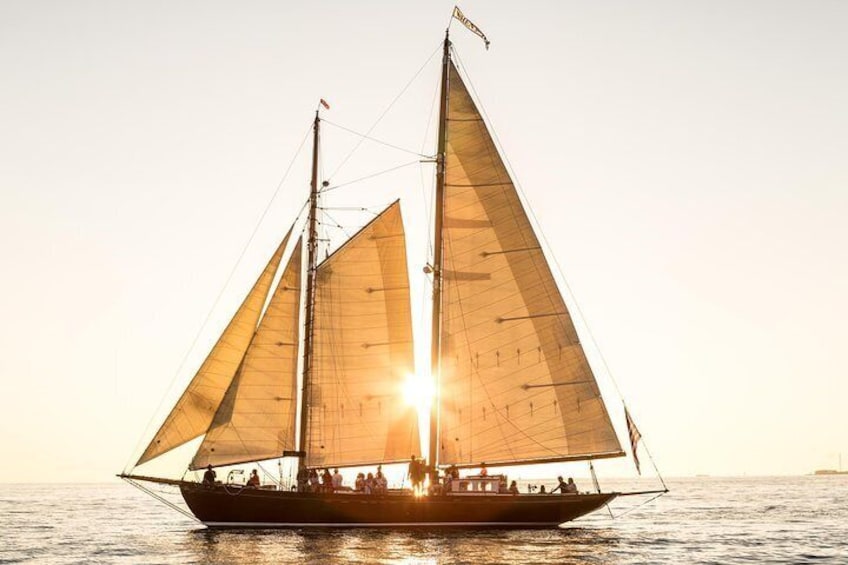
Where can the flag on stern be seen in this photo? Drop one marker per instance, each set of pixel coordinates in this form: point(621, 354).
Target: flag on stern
point(457, 13)
point(635, 436)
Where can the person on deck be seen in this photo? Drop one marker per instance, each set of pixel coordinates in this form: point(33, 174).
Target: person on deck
point(513, 488)
point(560, 487)
point(437, 488)
point(209, 476)
point(337, 479)
point(483, 471)
point(326, 481)
point(565, 487)
point(302, 479)
point(314, 481)
point(359, 485)
point(415, 473)
point(369, 484)
point(253, 481)
point(381, 485)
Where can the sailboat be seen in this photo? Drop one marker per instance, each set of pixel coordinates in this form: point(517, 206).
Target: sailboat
point(312, 368)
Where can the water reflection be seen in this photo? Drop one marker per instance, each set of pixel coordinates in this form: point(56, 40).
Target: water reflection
point(408, 546)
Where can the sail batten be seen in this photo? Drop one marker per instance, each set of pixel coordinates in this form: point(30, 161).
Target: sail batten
point(195, 410)
point(256, 419)
point(363, 351)
point(516, 386)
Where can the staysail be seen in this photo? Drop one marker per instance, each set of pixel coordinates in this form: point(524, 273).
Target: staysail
point(256, 419)
point(515, 383)
point(196, 408)
point(362, 351)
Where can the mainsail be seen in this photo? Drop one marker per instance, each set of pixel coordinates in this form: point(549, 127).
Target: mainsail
point(515, 383)
point(363, 351)
point(196, 408)
point(256, 419)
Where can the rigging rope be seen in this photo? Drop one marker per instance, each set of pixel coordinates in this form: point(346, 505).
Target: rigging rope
point(351, 209)
point(429, 201)
point(161, 499)
point(386, 111)
point(631, 509)
point(371, 176)
point(375, 140)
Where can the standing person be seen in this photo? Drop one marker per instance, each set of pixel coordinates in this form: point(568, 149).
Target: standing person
point(209, 477)
point(562, 487)
point(337, 479)
point(369, 483)
point(483, 471)
point(415, 474)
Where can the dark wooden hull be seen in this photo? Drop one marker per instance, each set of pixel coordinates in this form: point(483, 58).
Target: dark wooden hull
point(233, 507)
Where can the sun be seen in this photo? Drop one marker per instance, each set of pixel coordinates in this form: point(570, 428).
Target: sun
point(418, 391)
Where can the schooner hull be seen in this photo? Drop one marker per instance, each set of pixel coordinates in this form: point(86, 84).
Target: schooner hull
point(233, 507)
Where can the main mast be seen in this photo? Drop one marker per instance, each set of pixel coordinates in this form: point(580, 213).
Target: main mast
point(312, 253)
point(435, 348)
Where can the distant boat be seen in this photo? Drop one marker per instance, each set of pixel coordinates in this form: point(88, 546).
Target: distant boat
point(837, 471)
point(515, 385)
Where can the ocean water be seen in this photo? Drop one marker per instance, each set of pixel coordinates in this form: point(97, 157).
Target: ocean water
point(703, 520)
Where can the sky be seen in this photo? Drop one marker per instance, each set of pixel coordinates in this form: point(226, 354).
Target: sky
point(685, 163)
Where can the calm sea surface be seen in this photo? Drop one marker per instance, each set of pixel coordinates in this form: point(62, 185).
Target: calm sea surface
point(705, 520)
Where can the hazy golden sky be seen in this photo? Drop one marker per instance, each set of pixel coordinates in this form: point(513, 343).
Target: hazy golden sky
point(686, 161)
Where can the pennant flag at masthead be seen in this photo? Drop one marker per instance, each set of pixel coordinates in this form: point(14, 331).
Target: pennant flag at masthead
point(457, 13)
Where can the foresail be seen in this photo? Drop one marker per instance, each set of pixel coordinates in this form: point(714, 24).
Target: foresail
point(195, 410)
point(363, 352)
point(256, 419)
point(515, 383)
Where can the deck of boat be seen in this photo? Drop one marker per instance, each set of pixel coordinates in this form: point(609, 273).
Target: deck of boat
point(225, 506)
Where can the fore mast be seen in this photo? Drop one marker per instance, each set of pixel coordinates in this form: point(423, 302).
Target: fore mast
point(309, 310)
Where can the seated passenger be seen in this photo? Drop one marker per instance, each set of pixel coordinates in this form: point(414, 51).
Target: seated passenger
point(381, 485)
point(359, 485)
point(369, 484)
point(513, 488)
point(483, 471)
point(571, 487)
point(337, 479)
point(314, 481)
point(253, 481)
point(326, 481)
point(542, 490)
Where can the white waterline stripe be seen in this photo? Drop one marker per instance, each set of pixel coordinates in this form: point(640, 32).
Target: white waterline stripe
point(366, 524)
